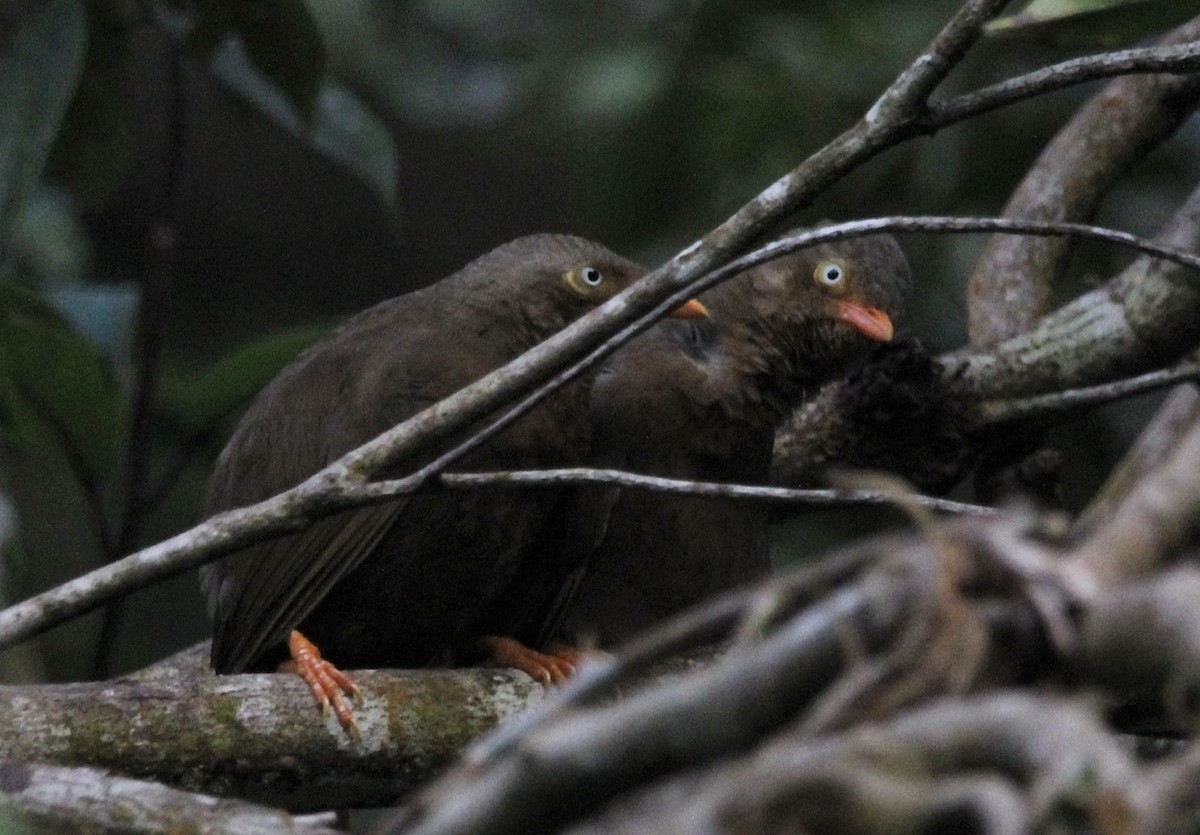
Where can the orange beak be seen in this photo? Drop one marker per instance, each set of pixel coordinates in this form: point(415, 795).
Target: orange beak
point(871, 322)
point(691, 309)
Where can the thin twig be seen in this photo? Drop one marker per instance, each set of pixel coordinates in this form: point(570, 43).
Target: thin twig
point(936, 223)
point(1179, 59)
point(1004, 411)
point(682, 487)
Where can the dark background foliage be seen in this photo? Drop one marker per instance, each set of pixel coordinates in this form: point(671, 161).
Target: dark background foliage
point(222, 181)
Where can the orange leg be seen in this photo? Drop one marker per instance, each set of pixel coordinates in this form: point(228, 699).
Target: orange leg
point(328, 684)
point(552, 667)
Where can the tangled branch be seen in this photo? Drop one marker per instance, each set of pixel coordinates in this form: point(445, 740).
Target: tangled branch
point(853, 648)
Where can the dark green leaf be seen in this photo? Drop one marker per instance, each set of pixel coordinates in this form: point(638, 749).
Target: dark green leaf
point(347, 131)
point(342, 128)
point(280, 37)
point(97, 146)
point(1098, 23)
point(40, 65)
point(196, 403)
point(57, 391)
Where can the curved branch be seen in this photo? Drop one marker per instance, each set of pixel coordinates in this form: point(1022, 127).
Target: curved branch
point(1169, 60)
point(1009, 288)
point(1141, 318)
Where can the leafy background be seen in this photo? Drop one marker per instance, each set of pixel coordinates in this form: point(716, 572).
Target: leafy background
point(192, 191)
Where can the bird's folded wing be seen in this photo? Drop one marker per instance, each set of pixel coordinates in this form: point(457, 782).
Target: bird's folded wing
point(287, 587)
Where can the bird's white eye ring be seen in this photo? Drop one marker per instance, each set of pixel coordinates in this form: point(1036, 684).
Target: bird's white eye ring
point(830, 273)
point(591, 276)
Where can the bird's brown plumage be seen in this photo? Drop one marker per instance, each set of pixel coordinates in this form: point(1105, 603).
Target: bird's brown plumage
point(409, 582)
point(700, 401)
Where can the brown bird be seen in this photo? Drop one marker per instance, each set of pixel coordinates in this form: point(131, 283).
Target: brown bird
point(414, 582)
point(700, 401)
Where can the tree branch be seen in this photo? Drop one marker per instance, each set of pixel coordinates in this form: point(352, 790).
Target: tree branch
point(49, 798)
point(261, 737)
point(1009, 288)
point(344, 483)
point(678, 753)
point(1141, 319)
point(681, 487)
point(1160, 60)
point(1071, 400)
point(1148, 453)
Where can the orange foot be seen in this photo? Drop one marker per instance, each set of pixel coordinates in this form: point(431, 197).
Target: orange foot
point(328, 684)
point(553, 667)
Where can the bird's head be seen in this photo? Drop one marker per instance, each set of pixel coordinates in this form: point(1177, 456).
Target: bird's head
point(596, 280)
point(567, 276)
point(846, 290)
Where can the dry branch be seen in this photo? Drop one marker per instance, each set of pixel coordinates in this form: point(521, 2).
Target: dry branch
point(1004, 761)
point(44, 798)
point(973, 604)
point(260, 737)
point(1011, 284)
point(933, 411)
point(678, 756)
point(1152, 521)
point(1154, 444)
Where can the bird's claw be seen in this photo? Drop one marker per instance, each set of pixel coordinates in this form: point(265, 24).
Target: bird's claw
point(328, 684)
point(550, 669)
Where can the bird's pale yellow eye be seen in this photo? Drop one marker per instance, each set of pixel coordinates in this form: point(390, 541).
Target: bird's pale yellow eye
point(831, 274)
point(585, 280)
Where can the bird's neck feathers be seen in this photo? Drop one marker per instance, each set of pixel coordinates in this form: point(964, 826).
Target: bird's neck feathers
point(531, 315)
point(531, 309)
point(774, 354)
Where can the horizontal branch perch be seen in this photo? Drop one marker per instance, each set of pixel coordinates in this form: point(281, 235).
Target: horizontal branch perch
point(261, 737)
